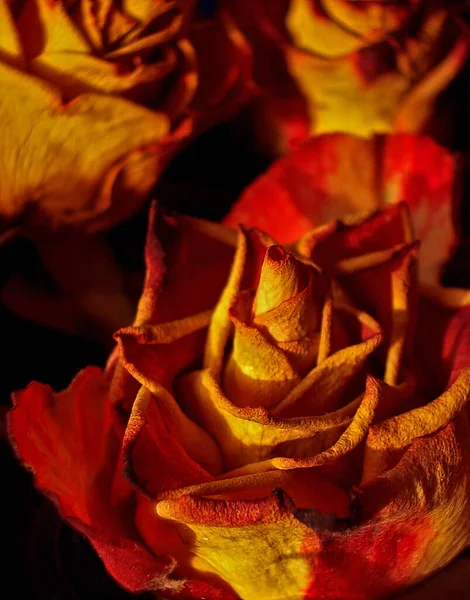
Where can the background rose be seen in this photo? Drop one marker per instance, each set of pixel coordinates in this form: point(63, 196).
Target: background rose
point(387, 383)
point(341, 66)
point(96, 97)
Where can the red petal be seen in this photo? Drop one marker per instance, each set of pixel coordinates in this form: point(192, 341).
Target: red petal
point(68, 440)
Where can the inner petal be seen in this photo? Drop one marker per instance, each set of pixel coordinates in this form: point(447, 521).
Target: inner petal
point(276, 331)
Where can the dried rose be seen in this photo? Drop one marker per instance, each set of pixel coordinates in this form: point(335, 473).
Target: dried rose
point(97, 95)
point(302, 432)
point(351, 67)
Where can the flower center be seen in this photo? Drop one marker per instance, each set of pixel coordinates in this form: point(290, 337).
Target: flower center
point(276, 332)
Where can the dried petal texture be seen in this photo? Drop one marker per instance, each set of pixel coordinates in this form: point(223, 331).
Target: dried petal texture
point(68, 440)
point(288, 422)
point(334, 176)
point(361, 68)
point(96, 98)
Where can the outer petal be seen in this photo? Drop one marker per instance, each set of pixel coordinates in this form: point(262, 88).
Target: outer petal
point(69, 442)
point(415, 520)
point(334, 175)
point(442, 339)
point(52, 172)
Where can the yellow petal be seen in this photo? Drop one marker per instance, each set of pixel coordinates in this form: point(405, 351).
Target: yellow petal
point(334, 88)
point(258, 372)
point(268, 530)
point(221, 325)
point(320, 390)
point(313, 32)
point(49, 164)
point(246, 435)
point(387, 440)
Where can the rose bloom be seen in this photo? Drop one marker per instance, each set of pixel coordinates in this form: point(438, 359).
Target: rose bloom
point(345, 66)
point(97, 95)
point(279, 422)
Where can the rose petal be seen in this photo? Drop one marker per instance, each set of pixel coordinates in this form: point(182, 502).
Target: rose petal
point(441, 342)
point(321, 390)
point(249, 434)
point(58, 175)
point(69, 441)
point(415, 521)
point(357, 236)
point(312, 30)
point(391, 297)
point(258, 372)
point(387, 440)
point(183, 254)
point(244, 272)
point(76, 466)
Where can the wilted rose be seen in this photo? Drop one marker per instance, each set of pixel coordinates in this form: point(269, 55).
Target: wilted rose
point(97, 95)
point(278, 423)
point(352, 67)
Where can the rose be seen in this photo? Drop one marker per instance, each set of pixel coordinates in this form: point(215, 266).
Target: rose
point(96, 96)
point(342, 387)
point(341, 66)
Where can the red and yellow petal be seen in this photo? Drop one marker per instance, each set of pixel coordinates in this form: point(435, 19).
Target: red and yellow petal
point(336, 175)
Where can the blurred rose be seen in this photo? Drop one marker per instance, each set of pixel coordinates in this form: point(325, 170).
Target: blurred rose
point(302, 432)
point(345, 66)
point(96, 95)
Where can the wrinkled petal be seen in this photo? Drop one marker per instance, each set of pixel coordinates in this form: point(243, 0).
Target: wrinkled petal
point(404, 536)
point(68, 441)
